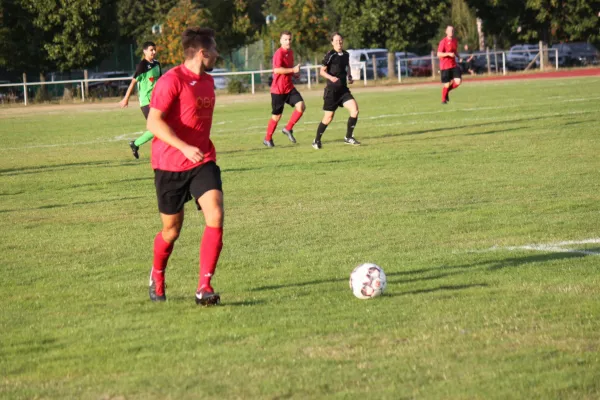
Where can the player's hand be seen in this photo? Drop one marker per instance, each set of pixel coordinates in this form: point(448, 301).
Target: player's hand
point(124, 103)
point(334, 79)
point(296, 69)
point(451, 55)
point(193, 154)
point(350, 80)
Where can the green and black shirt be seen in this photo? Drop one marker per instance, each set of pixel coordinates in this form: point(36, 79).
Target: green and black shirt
point(146, 75)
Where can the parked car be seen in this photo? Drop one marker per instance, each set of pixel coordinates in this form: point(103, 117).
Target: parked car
point(574, 54)
point(480, 62)
point(220, 80)
point(109, 88)
point(420, 66)
point(358, 56)
point(521, 55)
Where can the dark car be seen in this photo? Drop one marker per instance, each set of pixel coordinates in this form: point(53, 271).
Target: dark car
point(574, 54)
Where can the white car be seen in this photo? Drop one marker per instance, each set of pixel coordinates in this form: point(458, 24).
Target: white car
point(220, 80)
point(521, 55)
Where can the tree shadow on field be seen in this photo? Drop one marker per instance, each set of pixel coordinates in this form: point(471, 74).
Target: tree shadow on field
point(451, 128)
point(77, 203)
point(444, 271)
point(61, 167)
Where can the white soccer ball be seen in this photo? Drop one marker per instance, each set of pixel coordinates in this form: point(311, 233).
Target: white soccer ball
point(367, 281)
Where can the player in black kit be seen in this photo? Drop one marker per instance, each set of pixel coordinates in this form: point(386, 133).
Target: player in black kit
point(336, 69)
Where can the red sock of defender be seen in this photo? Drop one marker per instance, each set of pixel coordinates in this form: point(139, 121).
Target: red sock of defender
point(210, 249)
point(296, 115)
point(162, 251)
point(453, 86)
point(445, 91)
point(271, 128)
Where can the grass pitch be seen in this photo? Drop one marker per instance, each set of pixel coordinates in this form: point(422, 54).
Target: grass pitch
point(483, 214)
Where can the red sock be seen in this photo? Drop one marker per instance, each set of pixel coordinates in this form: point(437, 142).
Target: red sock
point(162, 251)
point(296, 115)
point(210, 249)
point(445, 91)
point(271, 128)
point(453, 86)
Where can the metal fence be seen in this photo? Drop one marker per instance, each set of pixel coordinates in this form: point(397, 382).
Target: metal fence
point(489, 62)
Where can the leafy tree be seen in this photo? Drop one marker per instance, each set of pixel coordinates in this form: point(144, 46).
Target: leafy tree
point(185, 14)
point(76, 33)
point(136, 17)
point(392, 24)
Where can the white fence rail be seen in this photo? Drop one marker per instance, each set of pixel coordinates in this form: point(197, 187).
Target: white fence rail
point(423, 66)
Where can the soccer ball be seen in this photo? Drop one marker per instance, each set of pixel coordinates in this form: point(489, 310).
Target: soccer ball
point(367, 281)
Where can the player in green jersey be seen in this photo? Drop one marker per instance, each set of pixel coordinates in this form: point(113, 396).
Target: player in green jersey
point(147, 73)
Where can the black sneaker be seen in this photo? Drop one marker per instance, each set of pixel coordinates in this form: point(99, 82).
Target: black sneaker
point(289, 134)
point(445, 102)
point(351, 141)
point(269, 143)
point(152, 290)
point(207, 297)
point(448, 98)
point(316, 144)
point(134, 149)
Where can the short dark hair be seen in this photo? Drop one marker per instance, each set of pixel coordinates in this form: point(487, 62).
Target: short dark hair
point(285, 33)
point(148, 44)
point(334, 34)
point(194, 39)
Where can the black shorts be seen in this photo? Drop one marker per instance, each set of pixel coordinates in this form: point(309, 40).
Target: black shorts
point(174, 189)
point(335, 97)
point(278, 101)
point(449, 74)
point(146, 111)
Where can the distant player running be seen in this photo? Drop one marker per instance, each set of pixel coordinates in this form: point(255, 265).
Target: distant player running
point(283, 90)
point(147, 73)
point(451, 75)
point(184, 160)
point(336, 69)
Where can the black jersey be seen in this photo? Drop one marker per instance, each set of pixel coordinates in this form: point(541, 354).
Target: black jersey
point(337, 65)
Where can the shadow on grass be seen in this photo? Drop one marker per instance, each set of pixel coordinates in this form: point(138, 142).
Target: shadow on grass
point(77, 203)
point(443, 271)
point(442, 288)
point(58, 167)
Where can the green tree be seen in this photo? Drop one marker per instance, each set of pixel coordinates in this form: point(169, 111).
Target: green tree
point(75, 33)
point(392, 24)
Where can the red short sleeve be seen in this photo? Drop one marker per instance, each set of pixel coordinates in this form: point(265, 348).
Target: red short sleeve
point(165, 92)
point(442, 46)
point(277, 59)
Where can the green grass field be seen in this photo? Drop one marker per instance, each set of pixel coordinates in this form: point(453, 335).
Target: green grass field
point(444, 198)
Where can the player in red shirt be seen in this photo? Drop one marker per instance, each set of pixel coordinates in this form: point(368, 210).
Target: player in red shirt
point(283, 90)
point(184, 160)
point(451, 75)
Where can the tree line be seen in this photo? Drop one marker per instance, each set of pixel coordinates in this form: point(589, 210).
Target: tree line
point(63, 35)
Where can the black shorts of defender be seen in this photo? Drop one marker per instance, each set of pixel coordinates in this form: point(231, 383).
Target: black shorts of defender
point(174, 189)
point(278, 101)
point(145, 111)
point(449, 74)
point(335, 97)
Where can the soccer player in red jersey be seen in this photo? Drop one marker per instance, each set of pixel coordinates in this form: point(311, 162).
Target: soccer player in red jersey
point(451, 75)
point(283, 90)
point(184, 160)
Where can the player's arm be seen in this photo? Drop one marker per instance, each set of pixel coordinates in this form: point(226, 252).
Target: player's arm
point(285, 71)
point(324, 74)
point(159, 128)
point(442, 53)
point(125, 102)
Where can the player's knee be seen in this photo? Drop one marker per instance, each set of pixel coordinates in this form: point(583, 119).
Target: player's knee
point(276, 118)
point(171, 233)
point(354, 113)
point(214, 217)
point(327, 120)
point(301, 107)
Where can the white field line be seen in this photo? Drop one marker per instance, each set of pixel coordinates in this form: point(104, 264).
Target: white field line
point(251, 129)
point(558, 247)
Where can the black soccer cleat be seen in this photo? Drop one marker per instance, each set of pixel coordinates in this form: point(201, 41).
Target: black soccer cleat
point(289, 134)
point(316, 144)
point(448, 98)
point(269, 143)
point(152, 290)
point(351, 141)
point(207, 297)
point(134, 149)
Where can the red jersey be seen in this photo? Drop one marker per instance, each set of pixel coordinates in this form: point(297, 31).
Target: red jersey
point(448, 45)
point(187, 101)
point(282, 84)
